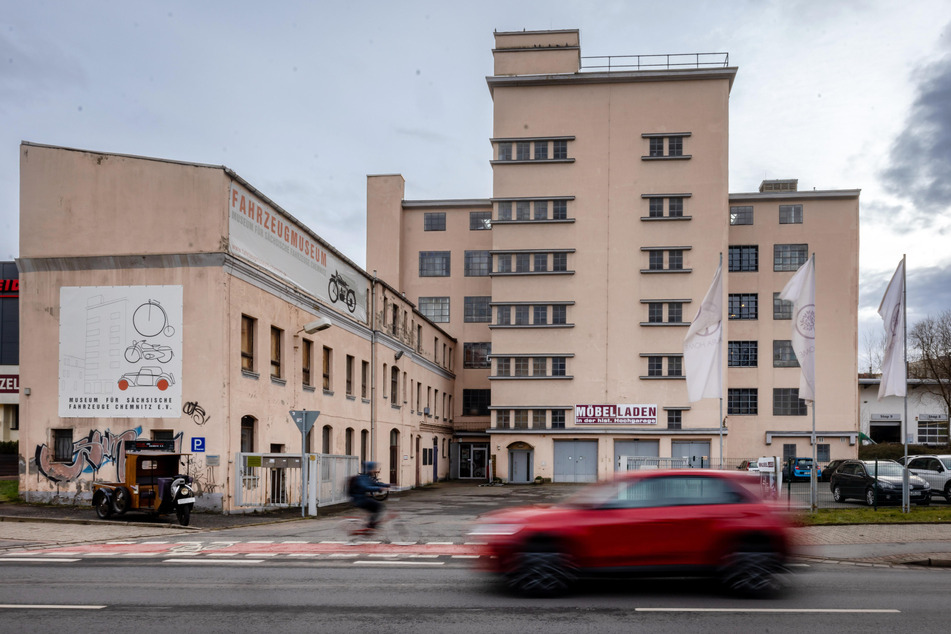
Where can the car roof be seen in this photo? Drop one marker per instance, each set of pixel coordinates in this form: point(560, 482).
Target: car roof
point(712, 473)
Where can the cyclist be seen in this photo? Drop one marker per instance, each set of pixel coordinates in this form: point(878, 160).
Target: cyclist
point(359, 489)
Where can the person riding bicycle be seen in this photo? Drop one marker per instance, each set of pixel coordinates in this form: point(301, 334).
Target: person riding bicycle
point(360, 488)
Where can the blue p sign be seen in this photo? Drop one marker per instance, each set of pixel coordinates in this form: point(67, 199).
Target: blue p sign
point(198, 445)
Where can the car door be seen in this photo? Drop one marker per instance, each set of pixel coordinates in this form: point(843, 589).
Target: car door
point(929, 469)
point(851, 479)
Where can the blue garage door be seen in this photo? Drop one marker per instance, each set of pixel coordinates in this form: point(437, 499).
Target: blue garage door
point(576, 461)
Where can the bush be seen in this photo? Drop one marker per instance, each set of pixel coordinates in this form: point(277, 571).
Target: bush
point(895, 450)
point(10, 447)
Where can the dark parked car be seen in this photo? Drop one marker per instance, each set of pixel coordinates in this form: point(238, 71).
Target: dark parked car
point(857, 479)
point(825, 474)
point(680, 522)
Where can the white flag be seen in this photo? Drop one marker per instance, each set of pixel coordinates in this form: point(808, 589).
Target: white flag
point(892, 310)
point(702, 345)
point(801, 291)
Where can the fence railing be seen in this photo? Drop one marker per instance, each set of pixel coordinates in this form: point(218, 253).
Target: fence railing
point(670, 61)
point(274, 480)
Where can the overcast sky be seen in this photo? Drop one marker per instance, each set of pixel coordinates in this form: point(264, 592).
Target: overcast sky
point(304, 99)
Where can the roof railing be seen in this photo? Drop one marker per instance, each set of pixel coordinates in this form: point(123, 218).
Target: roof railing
point(669, 61)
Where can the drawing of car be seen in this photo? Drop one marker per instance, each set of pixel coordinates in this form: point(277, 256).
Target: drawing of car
point(147, 377)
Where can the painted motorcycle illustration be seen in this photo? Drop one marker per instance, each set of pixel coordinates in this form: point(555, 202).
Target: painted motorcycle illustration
point(339, 289)
point(149, 351)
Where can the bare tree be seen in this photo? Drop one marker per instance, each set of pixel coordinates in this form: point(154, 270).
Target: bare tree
point(929, 345)
point(874, 351)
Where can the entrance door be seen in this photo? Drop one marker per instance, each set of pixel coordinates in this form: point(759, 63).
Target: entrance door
point(520, 466)
point(394, 457)
point(576, 461)
point(698, 453)
point(472, 461)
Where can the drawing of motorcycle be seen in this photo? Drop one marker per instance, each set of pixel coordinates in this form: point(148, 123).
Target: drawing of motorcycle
point(149, 351)
point(339, 289)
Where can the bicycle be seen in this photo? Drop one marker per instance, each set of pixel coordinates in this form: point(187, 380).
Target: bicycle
point(391, 529)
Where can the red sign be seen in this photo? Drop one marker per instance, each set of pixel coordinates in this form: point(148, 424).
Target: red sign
point(9, 383)
point(9, 288)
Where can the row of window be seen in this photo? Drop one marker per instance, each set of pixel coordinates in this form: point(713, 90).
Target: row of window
point(533, 150)
point(537, 367)
point(788, 215)
point(479, 263)
point(745, 354)
point(745, 401)
point(401, 390)
point(746, 306)
point(530, 419)
point(786, 257)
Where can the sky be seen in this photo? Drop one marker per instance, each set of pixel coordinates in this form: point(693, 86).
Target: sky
point(304, 99)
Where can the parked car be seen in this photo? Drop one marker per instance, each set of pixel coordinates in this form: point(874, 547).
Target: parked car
point(857, 479)
point(936, 470)
point(748, 465)
point(825, 473)
point(151, 483)
point(799, 469)
point(689, 521)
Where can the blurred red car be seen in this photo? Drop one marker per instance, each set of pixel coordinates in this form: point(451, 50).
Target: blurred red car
point(684, 522)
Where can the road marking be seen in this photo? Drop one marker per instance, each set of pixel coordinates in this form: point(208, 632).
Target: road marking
point(383, 562)
point(775, 610)
point(43, 559)
point(212, 561)
point(14, 606)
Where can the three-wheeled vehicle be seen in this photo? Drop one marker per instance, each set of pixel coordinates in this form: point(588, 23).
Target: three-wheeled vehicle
point(152, 484)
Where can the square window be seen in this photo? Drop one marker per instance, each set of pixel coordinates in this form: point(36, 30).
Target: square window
point(436, 309)
point(741, 401)
point(789, 257)
point(521, 366)
point(656, 260)
point(557, 419)
point(674, 366)
point(540, 366)
point(523, 262)
point(480, 220)
point(62, 445)
point(434, 263)
point(477, 309)
point(476, 402)
point(559, 314)
point(656, 146)
point(782, 308)
point(434, 221)
point(541, 150)
point(559, 209)
point(503, 315)
point(675, 146)
point(744, 258)
point(743, 306)
point(477, 263)
point(655, 312)
point(675, 259)
point(674, 419)
point(786, 402)
point(675, 312)
point(655, 208)
point(503, 367)
point(558, 366)
point(742, 215)
point(559, 149)
point(790, 214)
point(559, 261)
point(523, 210)
point(783, 354)
point(655, 366)
point(521, 315)
point(541, 262)
point(476, 355)
point(742, 354)
point(504, 261)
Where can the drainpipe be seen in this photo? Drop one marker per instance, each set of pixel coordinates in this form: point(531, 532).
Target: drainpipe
point(373, 367)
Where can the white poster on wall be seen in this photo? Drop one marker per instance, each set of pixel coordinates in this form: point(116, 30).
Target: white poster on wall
point(264, 235)
point(120, 352)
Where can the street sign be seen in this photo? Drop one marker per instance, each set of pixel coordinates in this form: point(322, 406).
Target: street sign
point(304, 419)
point(198, 445)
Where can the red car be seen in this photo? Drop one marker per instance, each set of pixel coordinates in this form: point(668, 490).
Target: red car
point(684, 522)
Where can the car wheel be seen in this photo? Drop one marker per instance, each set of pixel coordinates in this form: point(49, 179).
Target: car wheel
point(752, 570)
point(184, 513)
point(947, 492)
point(123, 385)
point(162, 384)
point(102, 505)
point(870, 496)
point(837, 494)
point(541, 571)
point(120, 501)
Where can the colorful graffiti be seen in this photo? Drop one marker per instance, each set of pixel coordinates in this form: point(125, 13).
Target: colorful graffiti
point(90, 454)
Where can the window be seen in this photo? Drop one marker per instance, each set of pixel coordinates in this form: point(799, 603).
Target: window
point(675, 207)
point(348, 442)
point(364, 378)
point(523, 262)
point(743, 305)
point(505, 151)
point(502, 419)
point(559, 261)
point(786, 402)
point(434, 221)
point(539, 419)
point(523, 151)
point(823, 452)
point(480, 220)
point(656, 208)
point(789, 257)
point(504, 261)
point(675, 259)
point(434, 263)
point(521, 419)
point(656, 260)
point(674, 142)
point(327, 364)
point(326, 444)
point(655, 366)
point(657, 146)
point(477, 309)
point(675, 146)
point(247, 343)
point(783, 354)
point(477, 263)
point(655, 312)
point(394, 385)
point(742, 354)
point(541, 150)
point(523, 210)
point(521, 366)
point(744, 258)
point(503, 315)
point(559, 149)
point(782, 308)
point(559, 314)
point(307, 362)
point(521, 315)
point(476, 402)
point(505, 210)
point(541, 262)
point(559, 209)
point(557, 419)
point(539, 366)
point(558, 366)
point(476, 355)
point(436, 309)
point(675, 312)
point(742, 215)
point(541, 210)
point(247, 434)
point(540, 314)
point(741, 401)
point(350, 361)
point(675, 419)
point(503, 367)
point(674, 366)
point(62, 445)
point(933, 432)
point(790, 214)
point(277, 339)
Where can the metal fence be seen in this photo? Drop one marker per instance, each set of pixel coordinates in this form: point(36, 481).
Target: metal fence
point(275, 480)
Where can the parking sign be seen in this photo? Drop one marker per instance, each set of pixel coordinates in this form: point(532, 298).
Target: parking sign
point(198, 445)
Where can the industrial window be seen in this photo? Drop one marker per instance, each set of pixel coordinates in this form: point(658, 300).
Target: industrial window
point(675, 312)
point(655, 312)
point(503, 315)
point(327, 364)
point(505, 151)
point(523, 262)
point(541, 262)
point(436, 309)
point(742, 354)
point(655, 208)
point(782, 308)
point(790, 214)
point(674, 419)
point(505, 210)
point(476, 355)
point(521, 419)
point(655, 366)
point(744, 258)
point(62, 445)
point(307, 362)
point(502, 419)
point(656, 261)
point(559, 209)
point(559, 149)
point(503, 367)
point(434, 263)
point(789, 257)
point(350, 364)
point(786, 402)
point(540, 366)
point(477, 263)
point(521, 366)
point(521, 315)
point(741, 401)
point(558, 366)
point(523, 151)
point(557, 419)
point(743, 306)
point(539, 419)
point(933, 432)
point(675, 206)
point(540, 314)
point(523, 210)
point(434, 221)
point(541, 210)
point(541, 150)
point(277, 339)
point(477, 309)
point(559, 314)
point(674, 366)
point(247, 343)
point(559, 261)
point(783, 354)
point(504, 262)
point(480, 220)
point(657, 146)
point(741, 215)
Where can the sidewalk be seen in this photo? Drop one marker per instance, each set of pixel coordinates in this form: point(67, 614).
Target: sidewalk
point(444, 512)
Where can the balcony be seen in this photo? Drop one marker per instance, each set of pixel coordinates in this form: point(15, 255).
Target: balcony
point(670, 61)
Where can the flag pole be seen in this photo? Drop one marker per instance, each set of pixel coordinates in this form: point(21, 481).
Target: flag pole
point(905, 499)
point(720, 370)
point(813, 485)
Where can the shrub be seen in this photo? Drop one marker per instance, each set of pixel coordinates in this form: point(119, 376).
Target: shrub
point(895, 450)
point(10, 447)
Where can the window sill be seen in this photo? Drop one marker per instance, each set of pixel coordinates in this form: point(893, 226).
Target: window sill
point(530, 161)
point(351, 397)
point(666, 270)
point(566, 377)
point(512, 273)
point(250, 375)
point(652, 324)
point(654, 218)
point(545, 221)
point(366, 401)
point(683, 157)
point(658, 378)
point(276, 380)
point(309, 388)
point(531, 326)
point(394, 406)
point(328, 392)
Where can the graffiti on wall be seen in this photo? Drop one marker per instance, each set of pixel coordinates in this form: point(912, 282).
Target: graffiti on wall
point(90, 454)
point(196, 411)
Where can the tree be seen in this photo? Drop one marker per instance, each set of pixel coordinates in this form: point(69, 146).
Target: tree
point(929, 361)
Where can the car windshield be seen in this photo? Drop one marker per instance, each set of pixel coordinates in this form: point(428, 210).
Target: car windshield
point(660, 490)
point(946, 461)
point(884, 468)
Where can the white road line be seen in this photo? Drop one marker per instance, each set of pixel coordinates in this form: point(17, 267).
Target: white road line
point(775, 610)
point(43, 559)
point(465, 556)
point(214, 554)
point(263, 541)
point(143, 543)
point(439, 543)
point(302, 555)
point(212, 561)
point(424, 556)
point(114, 543)
point(295, 542)
point(14, 606)
point(383, 562)
point(344, 555)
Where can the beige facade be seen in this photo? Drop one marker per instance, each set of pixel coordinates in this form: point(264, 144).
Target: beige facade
point(609, 215)
point(168, 300)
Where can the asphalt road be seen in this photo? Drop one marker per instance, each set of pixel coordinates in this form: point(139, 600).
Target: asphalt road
point(367, 596)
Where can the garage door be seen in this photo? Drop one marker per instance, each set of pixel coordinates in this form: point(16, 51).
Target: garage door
point(697, 452)
point(642, 448)
point(576, 461)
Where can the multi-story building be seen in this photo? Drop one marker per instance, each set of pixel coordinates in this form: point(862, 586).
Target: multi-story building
point(609, 214)
point(9, 351)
